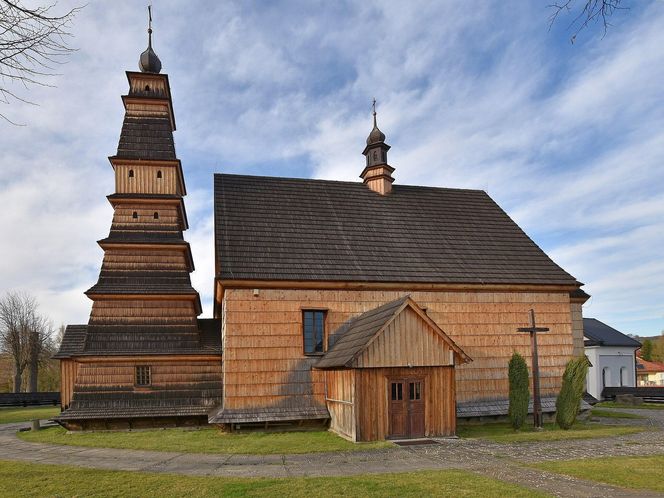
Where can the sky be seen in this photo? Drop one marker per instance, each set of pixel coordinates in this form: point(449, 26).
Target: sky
point(567, 138)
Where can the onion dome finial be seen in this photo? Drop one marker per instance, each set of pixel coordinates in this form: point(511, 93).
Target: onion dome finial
point(376, 135)
point(149, 62)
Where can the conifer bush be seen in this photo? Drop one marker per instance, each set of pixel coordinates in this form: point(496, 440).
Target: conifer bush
point(569, 398)
point(519, 393)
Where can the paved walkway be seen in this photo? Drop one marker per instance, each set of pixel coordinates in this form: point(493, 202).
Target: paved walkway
point(500, 461)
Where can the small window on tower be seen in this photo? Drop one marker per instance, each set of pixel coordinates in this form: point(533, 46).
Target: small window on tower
point(156, 215)
point(143, 375)
point(159, 174)
point(131, 173)
point(134, 215)
point(147, 88)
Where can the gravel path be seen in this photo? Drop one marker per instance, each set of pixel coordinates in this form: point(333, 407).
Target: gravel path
point(500, 461)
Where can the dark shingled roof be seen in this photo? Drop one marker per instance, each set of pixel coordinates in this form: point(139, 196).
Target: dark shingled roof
point(146, 138)
point(296, 229)
point(177, 401)
point(353, 336)
point(82, 340)
point(600, 334)
point(73, 341)
point(349, 340)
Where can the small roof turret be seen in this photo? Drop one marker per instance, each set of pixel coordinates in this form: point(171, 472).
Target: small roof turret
point(149, 62)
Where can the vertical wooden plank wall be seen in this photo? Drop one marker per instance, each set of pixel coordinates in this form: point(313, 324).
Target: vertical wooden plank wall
point(577, 328)
point(373, 405)
point(264, 360)
point(68, 373)
point(340, 400)
point(145, 179)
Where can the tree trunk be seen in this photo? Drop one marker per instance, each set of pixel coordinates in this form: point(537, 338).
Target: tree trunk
point(18, 378)
point(34, 374)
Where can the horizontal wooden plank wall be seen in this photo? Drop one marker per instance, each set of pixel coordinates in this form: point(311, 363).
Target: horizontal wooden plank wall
point(263, 334)
point(371, 393)
point(68, 373)
point(407, 341)
point(173, 313)
point(577, 328)
point(340, 398)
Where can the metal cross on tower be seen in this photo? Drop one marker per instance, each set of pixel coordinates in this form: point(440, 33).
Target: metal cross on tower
point(533, 330)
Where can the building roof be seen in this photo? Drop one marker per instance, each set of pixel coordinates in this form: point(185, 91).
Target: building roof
point(645, 366)
point(353, 337)
point(600, 334)
point(297, 229)
point(94, 340)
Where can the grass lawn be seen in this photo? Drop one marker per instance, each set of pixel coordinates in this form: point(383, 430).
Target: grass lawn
point(598, 412)
point(629, 472)
point(11, 415)
point(643, 406)
point(30, 479)
point(503, 432)
point(208, 440)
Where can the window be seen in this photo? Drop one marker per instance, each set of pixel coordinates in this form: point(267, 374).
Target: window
point(147, 88)
point(131, 173)
point(313, 326)
point(134, 215)
point(414, 390)
point(156, 215)
point(397, 391)
point(159, 174)
point(143, 375)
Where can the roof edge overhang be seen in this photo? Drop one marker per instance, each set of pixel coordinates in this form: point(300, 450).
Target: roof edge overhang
point(175, 296)
point(378, 166)
point(113, 357)
point(129, 161)
point(164, 246)
point(126, 198)
point(226, 283)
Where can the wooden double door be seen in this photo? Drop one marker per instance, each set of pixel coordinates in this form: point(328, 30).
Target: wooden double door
point(406, 408)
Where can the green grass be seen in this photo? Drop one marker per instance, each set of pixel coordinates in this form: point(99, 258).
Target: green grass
point(503, 432)
point(204, 441)
point(11, 415)
point(21, 479)
point(598, 412)
point(643, 406)
point(629, 472)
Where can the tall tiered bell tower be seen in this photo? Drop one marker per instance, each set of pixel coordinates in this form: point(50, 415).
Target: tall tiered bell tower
point(144, 352)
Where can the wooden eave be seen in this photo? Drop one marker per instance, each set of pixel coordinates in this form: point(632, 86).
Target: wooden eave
point(111, 358)
point(220, 286)
point(378, 166)
point(165, 163)
point(186, 296)
point(115, 199)
point(181, 245)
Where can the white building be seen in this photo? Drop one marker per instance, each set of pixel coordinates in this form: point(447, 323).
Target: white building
point(612, 355)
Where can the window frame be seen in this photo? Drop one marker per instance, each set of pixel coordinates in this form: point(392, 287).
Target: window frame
point(324, 311)
point(138, 377)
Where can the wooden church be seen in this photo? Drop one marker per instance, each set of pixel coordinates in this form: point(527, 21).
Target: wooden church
point(383, 310)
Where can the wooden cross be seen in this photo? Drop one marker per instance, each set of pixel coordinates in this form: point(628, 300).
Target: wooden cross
point(533, 330)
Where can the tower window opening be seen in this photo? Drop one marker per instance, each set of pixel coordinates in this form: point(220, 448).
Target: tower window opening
point(156, 215)
point(159, 174)
point(134, 215)
point(147, 88)
point(131, 173)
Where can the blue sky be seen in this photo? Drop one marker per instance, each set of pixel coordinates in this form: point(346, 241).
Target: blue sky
point(567, 138)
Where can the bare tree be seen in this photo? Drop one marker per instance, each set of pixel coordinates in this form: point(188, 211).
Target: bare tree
point(586, 12)
point(33, 42)
point(24, 335)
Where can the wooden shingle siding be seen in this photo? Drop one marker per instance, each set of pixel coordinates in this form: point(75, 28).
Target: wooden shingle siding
point(483, 324)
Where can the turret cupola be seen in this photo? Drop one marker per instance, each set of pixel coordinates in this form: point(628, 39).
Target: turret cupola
point(377, 174)
point(149, 62)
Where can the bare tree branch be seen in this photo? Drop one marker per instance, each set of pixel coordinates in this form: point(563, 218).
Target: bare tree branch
point(33, 42)
point(590, 12)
